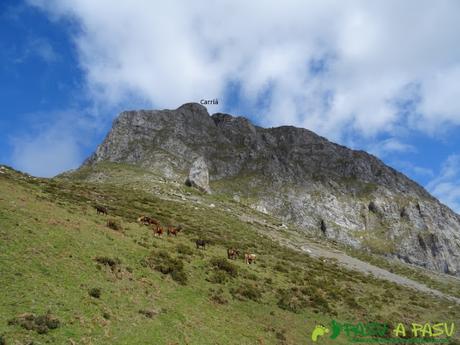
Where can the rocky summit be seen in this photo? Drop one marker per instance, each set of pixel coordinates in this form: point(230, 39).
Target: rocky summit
point(328, 190)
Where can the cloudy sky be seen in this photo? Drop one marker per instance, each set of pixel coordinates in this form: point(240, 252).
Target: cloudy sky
point(382, 76)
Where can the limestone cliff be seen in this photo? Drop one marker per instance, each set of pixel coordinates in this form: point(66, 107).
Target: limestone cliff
point(327, 189)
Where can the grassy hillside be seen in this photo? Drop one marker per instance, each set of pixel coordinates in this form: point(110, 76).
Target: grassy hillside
point(92, 284)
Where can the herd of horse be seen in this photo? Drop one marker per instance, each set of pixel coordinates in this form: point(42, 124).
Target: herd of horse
point(158, 231)
point(157, 228)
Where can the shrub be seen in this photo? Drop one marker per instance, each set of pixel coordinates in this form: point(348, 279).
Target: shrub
point(2, 340)
point(247, 291)
point(104, 260)
point(388, 294)
point(164, 263)
point(95, 292)
point(184, 249)
point(318, 301)
point(114, 225)
point(296, 279)
point(351, 302)
point(179, 276)
point(251, 276)
point(292, 300)
point(281, 335)
point(150, 313)
point(40, 324)
point(297, 298)
point(225, 265)
point(281, 267)
point(218, 296)
point(218, 277)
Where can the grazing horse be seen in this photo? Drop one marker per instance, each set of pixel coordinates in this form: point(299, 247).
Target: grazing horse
point(232, 254)
point(146, 220)
point(173, 231)
point(249, 258)
point(158, 230)
point(101, 209)
point(200, 244)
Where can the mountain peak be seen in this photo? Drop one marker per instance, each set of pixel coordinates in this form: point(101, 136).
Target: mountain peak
point(194, 108)
point(294, 174)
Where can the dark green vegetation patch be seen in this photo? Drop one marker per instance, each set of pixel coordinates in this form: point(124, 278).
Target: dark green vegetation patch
point(38, 323)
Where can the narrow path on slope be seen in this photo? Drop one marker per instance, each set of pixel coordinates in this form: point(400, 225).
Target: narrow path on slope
point(294, 240)
point(362, 266)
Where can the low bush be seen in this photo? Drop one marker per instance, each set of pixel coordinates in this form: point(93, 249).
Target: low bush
point(150, 313)
point(161, 261)
point(251, 276)
point(114, 225)
point(179, 276)
point(296, 278)
point(218, 277)
point(281, 335)
point(184, 249)
point(95, 292)
point(247, 291)
point(218, 297)
point(292, 299)
point(225, 265)
point(351, 302)
point(104, 260)
point(321, 303)
point(280, 267)
point(41, 323)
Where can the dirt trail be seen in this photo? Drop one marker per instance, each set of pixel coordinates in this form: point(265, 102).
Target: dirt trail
point(362, 266)
point(295, 240)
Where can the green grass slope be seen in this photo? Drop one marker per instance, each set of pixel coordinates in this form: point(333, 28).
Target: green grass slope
point(60, 261)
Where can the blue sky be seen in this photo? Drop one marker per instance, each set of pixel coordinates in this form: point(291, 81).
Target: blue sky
point(381, 76)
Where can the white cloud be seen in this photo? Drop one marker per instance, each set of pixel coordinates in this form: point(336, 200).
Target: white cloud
point(446, 186)
point(51, 148)
point(172, 52)
point(46, 155)
point(390, 146)
point(440, 98)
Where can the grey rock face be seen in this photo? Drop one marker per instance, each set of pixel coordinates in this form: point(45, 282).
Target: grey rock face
point(199, 176)
point(327, 189)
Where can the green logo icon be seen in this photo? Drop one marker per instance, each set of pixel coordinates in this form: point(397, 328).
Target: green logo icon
point(318, 331)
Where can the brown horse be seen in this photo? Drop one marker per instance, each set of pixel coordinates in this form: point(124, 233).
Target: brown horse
point(146, 220)
point(101, 209)
point(173, 231)
point(232, 254)
point(249, 258)
point(158, 231)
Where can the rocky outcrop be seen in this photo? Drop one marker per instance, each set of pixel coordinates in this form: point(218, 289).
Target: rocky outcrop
point(326, 189)
point(198, 176)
